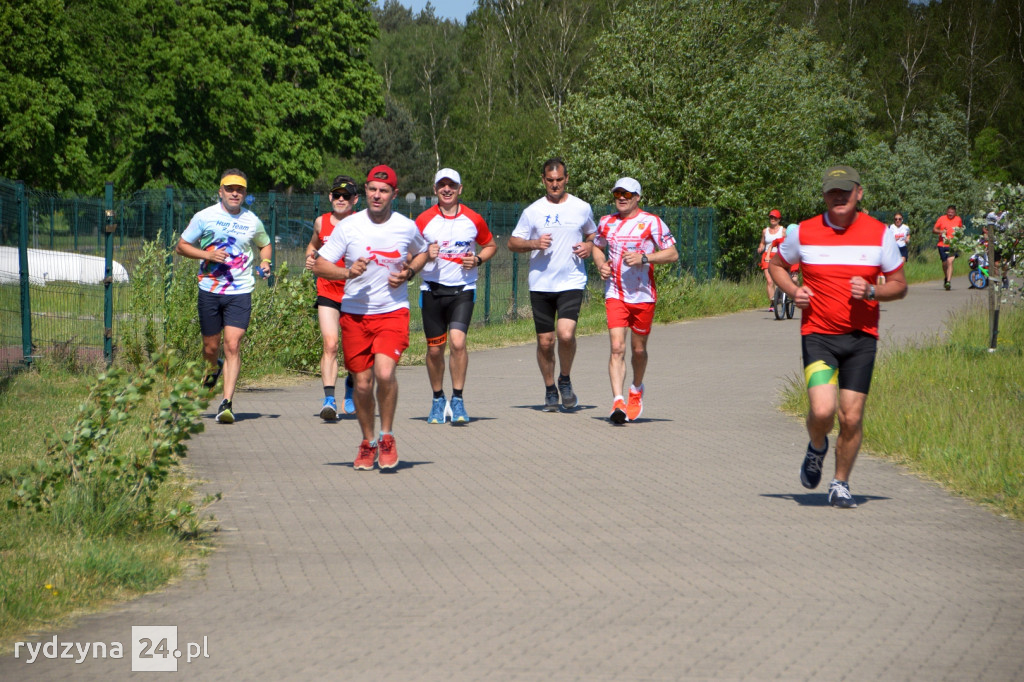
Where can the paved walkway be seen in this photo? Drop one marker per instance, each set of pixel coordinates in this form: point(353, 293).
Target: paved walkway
point(535, 546)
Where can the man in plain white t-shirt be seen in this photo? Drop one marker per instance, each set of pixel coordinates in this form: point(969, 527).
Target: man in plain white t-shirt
point(558, 232)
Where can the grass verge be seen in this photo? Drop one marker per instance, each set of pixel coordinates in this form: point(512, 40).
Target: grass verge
point(951, 411)
point(82, 553)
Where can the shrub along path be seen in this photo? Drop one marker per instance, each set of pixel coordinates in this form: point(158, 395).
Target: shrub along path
point(535, 546)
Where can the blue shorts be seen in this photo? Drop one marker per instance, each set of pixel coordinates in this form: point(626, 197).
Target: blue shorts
point(217, 311)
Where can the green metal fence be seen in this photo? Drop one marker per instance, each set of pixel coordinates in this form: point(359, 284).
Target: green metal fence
point(65, 260)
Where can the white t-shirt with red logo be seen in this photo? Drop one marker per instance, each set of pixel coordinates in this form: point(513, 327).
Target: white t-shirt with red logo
point(456, 237)
point(557, 268)
point(386, 246)
point(829, 256)
point(645, 233)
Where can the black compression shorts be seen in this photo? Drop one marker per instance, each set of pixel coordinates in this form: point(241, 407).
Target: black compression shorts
point(844, 359)
point(546, 304)
point(443, 312)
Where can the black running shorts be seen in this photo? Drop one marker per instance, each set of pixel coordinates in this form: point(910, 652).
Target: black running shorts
point(442, 312)
point(851, 356)
point(217, 311)
point(546, 304)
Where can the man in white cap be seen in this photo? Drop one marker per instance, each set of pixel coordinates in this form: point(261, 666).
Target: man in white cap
point(841, 253)
point(636, 242)
point(448, 289)
point(557, 231)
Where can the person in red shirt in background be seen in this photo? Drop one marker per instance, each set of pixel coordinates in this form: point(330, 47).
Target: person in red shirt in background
point(944, 227)
point(344, 196)
point(841, 254)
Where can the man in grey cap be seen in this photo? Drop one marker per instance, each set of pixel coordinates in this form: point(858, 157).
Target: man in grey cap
point(841, 254)
point(636, 240)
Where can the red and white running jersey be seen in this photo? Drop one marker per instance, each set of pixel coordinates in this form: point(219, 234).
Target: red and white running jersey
point(333, 289)
point(457, 237)
point(643, 232)
point(386, 246)
point(829, 257)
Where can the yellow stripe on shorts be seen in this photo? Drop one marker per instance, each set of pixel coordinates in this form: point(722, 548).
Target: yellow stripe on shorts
point(819, 374)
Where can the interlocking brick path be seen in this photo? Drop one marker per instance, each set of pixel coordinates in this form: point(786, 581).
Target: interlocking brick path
point(535, 546)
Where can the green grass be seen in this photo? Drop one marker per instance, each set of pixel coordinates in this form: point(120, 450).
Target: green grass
point(75, 559)
point(951, 411)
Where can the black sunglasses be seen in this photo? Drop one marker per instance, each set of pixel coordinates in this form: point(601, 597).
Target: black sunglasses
point(346, 196)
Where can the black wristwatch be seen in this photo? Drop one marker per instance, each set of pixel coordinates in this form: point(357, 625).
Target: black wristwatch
point(479, 261)
point(871, 293)
point(644, 260)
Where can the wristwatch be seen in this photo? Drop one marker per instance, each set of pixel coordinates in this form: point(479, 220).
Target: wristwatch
point(871, 293)
point(644, 260)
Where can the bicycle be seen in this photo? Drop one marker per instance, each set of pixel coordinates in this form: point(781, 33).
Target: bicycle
point(783, 306)
point(979, 270)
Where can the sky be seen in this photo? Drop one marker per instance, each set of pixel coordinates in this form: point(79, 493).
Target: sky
point(449, 9)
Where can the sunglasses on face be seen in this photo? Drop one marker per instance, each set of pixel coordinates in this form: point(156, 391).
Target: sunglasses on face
point(622, 194)
point(344, 196)
point(899, 220)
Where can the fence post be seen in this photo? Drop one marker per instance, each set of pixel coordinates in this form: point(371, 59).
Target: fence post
point(53, 208)
point(487, 272)
point(26, 302)
point(108, 271)
point(76, 223)
point(515, 285)
point(272, 201)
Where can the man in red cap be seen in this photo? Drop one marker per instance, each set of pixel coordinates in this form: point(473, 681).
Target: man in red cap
point(766, 249)
point(382, 251)
point(841, 253)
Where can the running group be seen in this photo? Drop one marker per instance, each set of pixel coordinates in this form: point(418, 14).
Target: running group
point(363, 261)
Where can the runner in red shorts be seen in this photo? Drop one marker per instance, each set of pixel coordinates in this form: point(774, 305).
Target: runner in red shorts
point(636, 241)
point(382, 251)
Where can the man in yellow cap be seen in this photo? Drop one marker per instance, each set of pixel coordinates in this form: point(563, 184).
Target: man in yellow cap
point(221, 237)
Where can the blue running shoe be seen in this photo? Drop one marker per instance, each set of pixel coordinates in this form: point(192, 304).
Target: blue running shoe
point(457, 409)
point(839, 495)
point(437, 411)
point(348, 406)
point(329, 411)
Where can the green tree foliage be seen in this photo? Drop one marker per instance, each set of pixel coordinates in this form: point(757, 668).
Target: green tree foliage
point(718, 106)
point(45, 112)
point(173, 91)
point(923, 172)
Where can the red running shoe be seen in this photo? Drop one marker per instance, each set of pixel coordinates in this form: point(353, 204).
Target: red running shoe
point(366, 457)
point(635, 406)
point(388, 453)
point(618, 415)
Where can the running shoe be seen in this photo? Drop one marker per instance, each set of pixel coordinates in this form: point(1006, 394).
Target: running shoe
point(388, 452)
point(810, 470)
point(618, 414)
point(635, 406)
point(329, 410)
point(839, 495)
point(569, 399)
point(366, 457)
point(348, 407)
point(946, 285)
point(224, 415)
point(438, 408)
point(550, 402)
point(210, 380)
point(457, 411)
